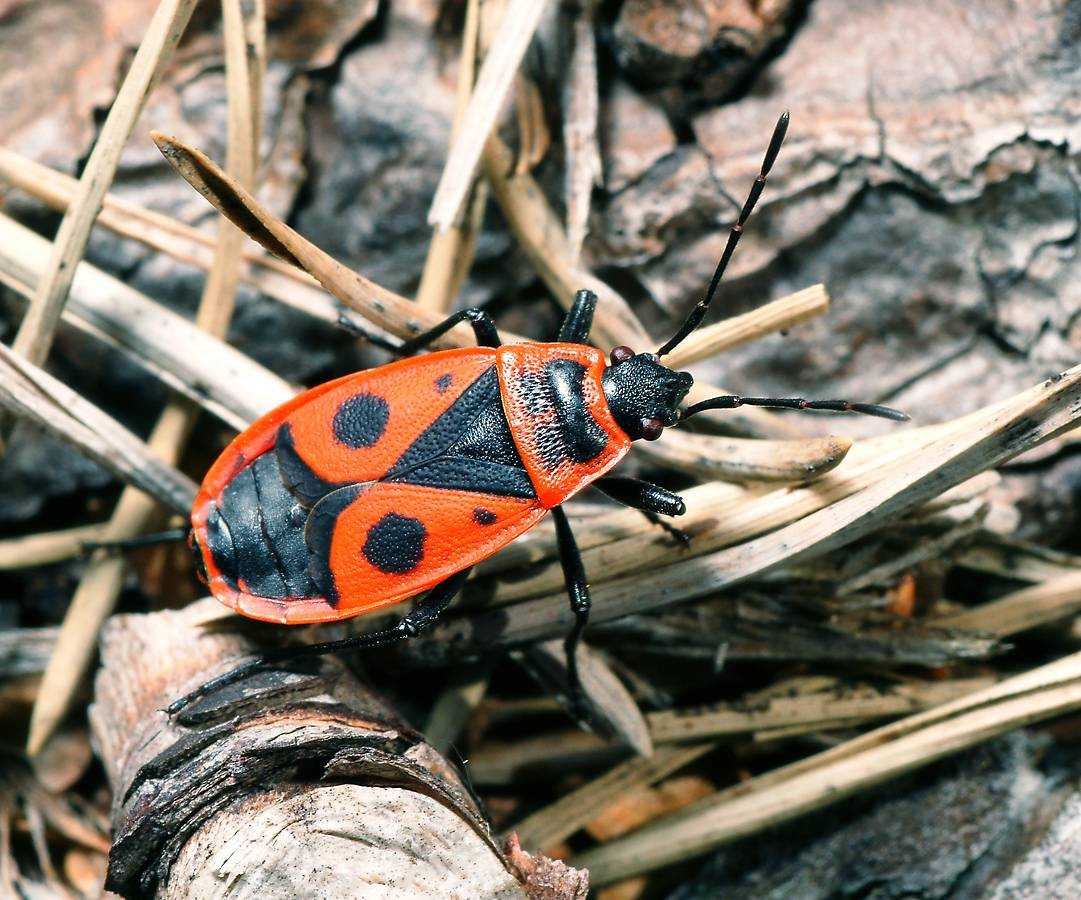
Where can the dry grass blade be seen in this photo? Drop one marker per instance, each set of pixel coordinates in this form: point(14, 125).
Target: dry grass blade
point(503, 763)
point(451, 251)
point(179, 240)
point(831, 776)
point(612, 709)
point(718, 515)
point(839, 707)
point(47, 547)
point(1053, 600)
point(34, 394)
point(735, 331)
point(273, 277)
point(96, 595)
point(1018, 559)
point(494, 82)
point(931, 548)
point(541, 236)
point(35, 334)
point(146, 361)
point(581, 109)
point(233, 383)
point(24, 651)
point(561, 819)
point(452, 710)
point(956, 452)
point(742, 459)
point(534, 138)
point(386, 309)
point(609, 527)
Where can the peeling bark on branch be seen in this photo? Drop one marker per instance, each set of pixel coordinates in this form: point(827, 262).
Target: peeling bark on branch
point(298, 783)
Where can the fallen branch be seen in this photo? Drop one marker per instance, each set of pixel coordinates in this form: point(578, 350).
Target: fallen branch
point(305, 778)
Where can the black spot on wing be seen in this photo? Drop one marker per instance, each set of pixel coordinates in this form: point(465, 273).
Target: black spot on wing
point(361, 420)
point(297, 475)
point(319, 532)
point(484, 516)
point(443, 383)
point(395, 544)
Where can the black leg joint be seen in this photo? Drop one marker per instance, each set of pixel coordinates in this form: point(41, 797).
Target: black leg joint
point(641, 495)
point(580, 602)
point(579, 319)
point(483, 328)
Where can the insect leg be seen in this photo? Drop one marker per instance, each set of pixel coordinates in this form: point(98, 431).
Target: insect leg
point(354, 325)
point(579, 319)
point(641, 495)
point(483, 327)
point(651, 499)
point(578, 591)
point(422, 616)
point(169, 536)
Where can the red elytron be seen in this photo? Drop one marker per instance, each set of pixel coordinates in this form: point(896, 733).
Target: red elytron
point(393, 482)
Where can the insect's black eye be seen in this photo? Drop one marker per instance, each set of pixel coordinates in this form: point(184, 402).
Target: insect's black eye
point(652, 428)
point(621, 354)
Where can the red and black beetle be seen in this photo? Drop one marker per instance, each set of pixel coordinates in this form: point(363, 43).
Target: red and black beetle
point(394, 481)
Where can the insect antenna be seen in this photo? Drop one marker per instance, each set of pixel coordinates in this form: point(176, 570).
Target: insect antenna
point(696, 315)
point(731, 401)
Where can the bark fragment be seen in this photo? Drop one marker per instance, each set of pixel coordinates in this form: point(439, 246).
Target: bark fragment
point(296, 781)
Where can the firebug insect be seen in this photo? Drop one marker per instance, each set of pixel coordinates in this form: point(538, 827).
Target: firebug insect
point(391, 482)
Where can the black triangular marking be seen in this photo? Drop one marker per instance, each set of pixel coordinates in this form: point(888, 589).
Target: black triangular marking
point(469, 447)
point(302, 482)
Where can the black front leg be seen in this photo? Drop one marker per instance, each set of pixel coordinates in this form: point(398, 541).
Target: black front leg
point(651, 499)
point(482, 323)
point(641, 495)
point(579, 319)
point(574, 574)
point(422, 616)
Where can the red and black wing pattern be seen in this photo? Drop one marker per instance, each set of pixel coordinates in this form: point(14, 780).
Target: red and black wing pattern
point(365, 491)
point(384, 542)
